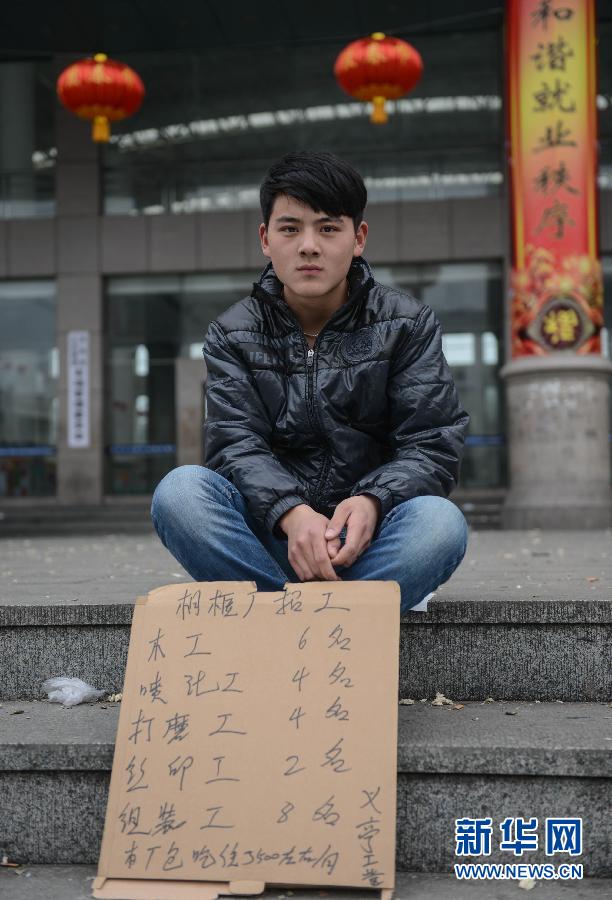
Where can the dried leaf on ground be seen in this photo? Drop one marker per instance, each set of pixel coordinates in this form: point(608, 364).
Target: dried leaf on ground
point(406, 702)
point(527, 884)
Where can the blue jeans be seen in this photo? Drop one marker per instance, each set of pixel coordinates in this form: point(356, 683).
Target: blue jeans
point(203, 520)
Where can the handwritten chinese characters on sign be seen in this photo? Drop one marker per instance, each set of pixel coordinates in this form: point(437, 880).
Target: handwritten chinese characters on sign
point(258, 736)
point(557, 292)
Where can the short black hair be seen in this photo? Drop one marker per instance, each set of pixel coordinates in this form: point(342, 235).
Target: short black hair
point(321, 180)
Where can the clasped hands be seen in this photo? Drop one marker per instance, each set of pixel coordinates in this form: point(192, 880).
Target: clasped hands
point(314, 546)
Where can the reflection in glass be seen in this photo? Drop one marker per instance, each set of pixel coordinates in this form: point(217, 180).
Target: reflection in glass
point(29, 370)
point(459, 349)
point(151, 322)
point(468, 300)
point(206, 135)
point(27, 106)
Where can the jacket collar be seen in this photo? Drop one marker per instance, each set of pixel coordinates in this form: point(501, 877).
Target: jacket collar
point(360, 279)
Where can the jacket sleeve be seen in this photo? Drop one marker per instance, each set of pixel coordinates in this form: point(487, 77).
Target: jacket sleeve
point(427, 424)
point(237, 435)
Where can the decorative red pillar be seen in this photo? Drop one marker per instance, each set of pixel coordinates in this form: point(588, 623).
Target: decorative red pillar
point(557, 380)
point(557, 298)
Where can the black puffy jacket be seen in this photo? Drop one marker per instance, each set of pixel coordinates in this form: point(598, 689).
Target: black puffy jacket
point(372, 409)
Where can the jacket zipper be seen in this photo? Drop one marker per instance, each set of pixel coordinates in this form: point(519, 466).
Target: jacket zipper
point(312, 415)
point(310, 406)
point(310, 403)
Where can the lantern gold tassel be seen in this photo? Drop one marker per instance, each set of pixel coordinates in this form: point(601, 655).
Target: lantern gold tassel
point(379, 113)
point(100, 129)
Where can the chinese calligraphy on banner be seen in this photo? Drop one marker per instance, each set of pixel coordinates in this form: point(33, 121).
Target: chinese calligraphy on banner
point(78, 389)
point(557, 294)
point(257, 740)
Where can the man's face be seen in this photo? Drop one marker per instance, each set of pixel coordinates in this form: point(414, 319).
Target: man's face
point(311, 252)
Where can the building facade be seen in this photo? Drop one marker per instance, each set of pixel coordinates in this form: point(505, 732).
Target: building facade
point(114, 258)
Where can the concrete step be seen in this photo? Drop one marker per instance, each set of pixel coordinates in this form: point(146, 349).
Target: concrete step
point(482, 509)
point(487, 759)
point(132, 516)
point(527, 615)
point(49, 520)
point(469, 649)
point(74, 883)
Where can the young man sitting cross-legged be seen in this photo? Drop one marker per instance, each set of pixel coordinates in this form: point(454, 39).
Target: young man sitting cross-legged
point(333, 431)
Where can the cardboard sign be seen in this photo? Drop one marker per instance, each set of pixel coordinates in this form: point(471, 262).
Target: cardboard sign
point(257, 741)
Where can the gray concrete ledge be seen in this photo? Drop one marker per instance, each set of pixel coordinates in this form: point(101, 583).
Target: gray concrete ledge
point(564, 515)
point(499, 609)
point(526, 615)
point(551, 765)
point(559, 652)
point(538, 739)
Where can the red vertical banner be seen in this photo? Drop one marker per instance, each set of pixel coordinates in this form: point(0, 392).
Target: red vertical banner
point(557, 294)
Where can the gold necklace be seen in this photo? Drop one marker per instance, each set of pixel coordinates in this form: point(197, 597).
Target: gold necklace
point(308, 334)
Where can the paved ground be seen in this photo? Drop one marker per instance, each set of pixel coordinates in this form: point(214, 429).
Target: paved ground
point(74, 883)
point(114, 569)
point(554, 565)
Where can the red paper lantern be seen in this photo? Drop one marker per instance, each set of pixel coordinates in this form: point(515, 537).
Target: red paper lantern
point(378, 68)
point(102, 90)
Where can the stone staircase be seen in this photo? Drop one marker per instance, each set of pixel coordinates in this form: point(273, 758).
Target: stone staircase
point(529, 733)
point(48, 520)
point(130, 515)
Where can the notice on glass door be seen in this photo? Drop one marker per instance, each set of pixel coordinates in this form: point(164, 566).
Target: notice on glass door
point(78, 389)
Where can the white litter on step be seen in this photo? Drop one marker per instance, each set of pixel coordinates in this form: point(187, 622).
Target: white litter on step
point(70, 691)
point(421, 606)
